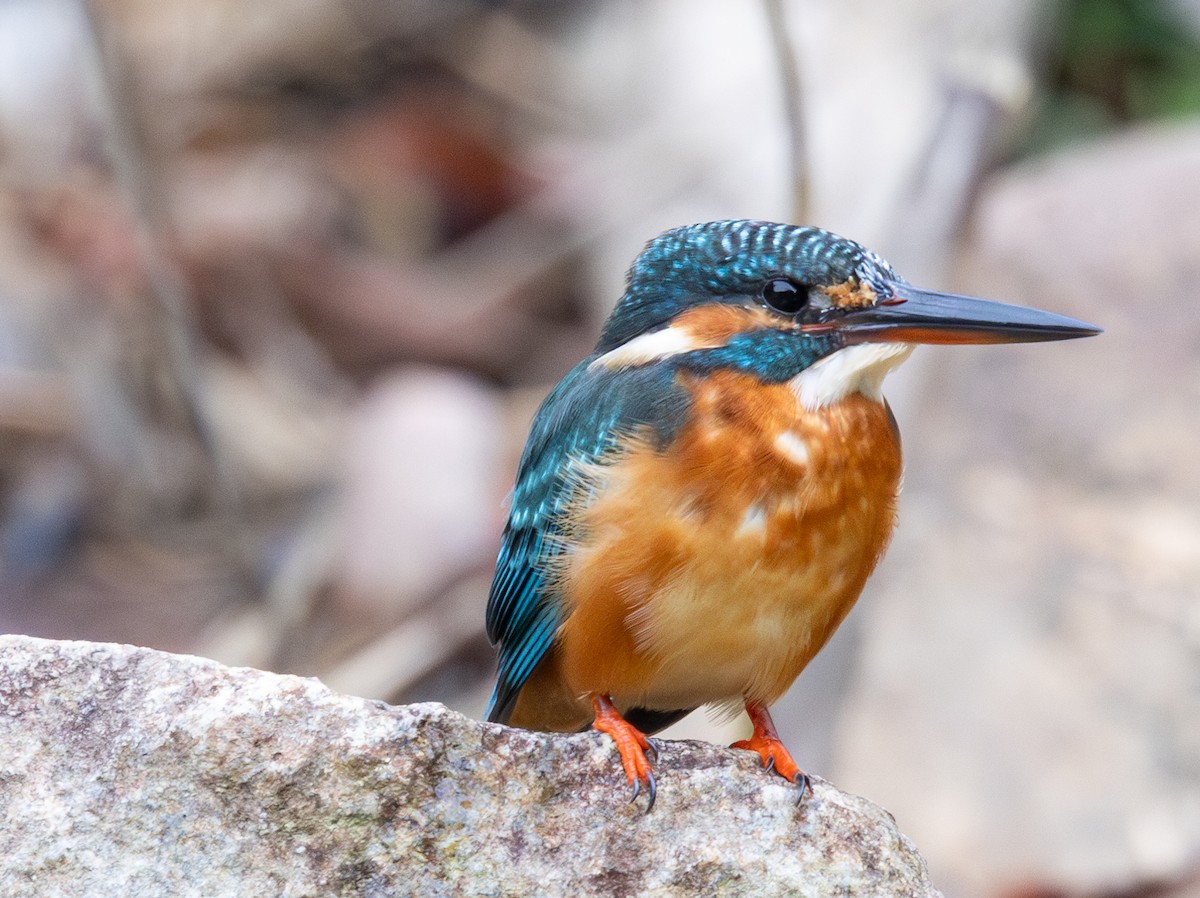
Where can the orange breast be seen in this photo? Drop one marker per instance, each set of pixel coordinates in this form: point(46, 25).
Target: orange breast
point(716, 569)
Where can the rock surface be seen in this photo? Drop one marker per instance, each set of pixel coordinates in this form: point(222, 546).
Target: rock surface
point(125, 771)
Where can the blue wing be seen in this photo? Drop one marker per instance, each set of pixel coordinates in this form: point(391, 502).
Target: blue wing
point(580, 420)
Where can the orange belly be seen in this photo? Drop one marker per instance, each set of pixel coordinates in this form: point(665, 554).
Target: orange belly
point(714, 570)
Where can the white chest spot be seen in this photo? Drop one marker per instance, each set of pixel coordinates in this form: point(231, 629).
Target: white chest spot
point(753, 523)
point(791, 446)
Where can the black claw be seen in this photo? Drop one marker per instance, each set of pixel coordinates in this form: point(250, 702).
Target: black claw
point(651, 789)
point(805, 786)
point(770, 765)
point(652, 749)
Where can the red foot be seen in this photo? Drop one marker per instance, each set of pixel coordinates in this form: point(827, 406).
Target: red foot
point(631, 743)
point(766, 742)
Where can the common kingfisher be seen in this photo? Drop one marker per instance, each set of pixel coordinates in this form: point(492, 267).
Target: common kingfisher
point(701, 499)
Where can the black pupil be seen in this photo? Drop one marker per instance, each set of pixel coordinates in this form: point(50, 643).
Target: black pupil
point(784, 296)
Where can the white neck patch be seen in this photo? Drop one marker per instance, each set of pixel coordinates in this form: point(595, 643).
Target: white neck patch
point(853, 369)
point(646, 348)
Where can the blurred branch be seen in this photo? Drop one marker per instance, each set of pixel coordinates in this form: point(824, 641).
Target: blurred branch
point(393, 663)
point(460, 305)
point(792, 91)
point(35, 404)
point(982, 90)
point(168, 327)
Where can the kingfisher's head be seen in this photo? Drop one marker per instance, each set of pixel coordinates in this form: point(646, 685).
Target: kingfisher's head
point(777, 300)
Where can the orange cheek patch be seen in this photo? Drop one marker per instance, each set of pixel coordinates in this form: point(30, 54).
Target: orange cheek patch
point(712, 325)
point(707, 326)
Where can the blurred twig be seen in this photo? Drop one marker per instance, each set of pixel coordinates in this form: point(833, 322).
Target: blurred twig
point(791, 88)
point(982, 90)
point(391, 664)
point(169, 326)
point(35, 404)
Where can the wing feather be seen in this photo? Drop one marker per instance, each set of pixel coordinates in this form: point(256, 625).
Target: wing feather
point(579, 422)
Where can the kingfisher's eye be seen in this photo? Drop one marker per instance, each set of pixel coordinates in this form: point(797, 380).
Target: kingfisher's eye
point(784, 295)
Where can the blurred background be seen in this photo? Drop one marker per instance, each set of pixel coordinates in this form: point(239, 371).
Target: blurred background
point(282, 283)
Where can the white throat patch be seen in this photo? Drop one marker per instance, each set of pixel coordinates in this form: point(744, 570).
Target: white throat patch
point(853, 369)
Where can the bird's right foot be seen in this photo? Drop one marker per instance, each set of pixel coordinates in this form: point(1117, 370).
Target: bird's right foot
point(632, 745)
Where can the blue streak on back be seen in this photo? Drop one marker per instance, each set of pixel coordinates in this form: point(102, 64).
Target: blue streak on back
point(581, 420)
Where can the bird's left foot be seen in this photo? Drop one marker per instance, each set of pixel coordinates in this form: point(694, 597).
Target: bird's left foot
point(766, 742)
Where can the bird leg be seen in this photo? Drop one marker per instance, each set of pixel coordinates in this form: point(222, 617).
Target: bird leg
point(766, 742)
point(631, 743)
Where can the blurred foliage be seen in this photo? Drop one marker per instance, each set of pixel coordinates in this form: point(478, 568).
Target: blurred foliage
point(1117, 62)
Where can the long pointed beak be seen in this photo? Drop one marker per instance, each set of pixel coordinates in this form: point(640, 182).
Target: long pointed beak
point(912, 315)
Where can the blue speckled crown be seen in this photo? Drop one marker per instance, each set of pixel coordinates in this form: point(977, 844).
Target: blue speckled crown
point(726, 259)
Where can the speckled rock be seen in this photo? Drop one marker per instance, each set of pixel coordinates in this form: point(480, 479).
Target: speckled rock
point(125, 771)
